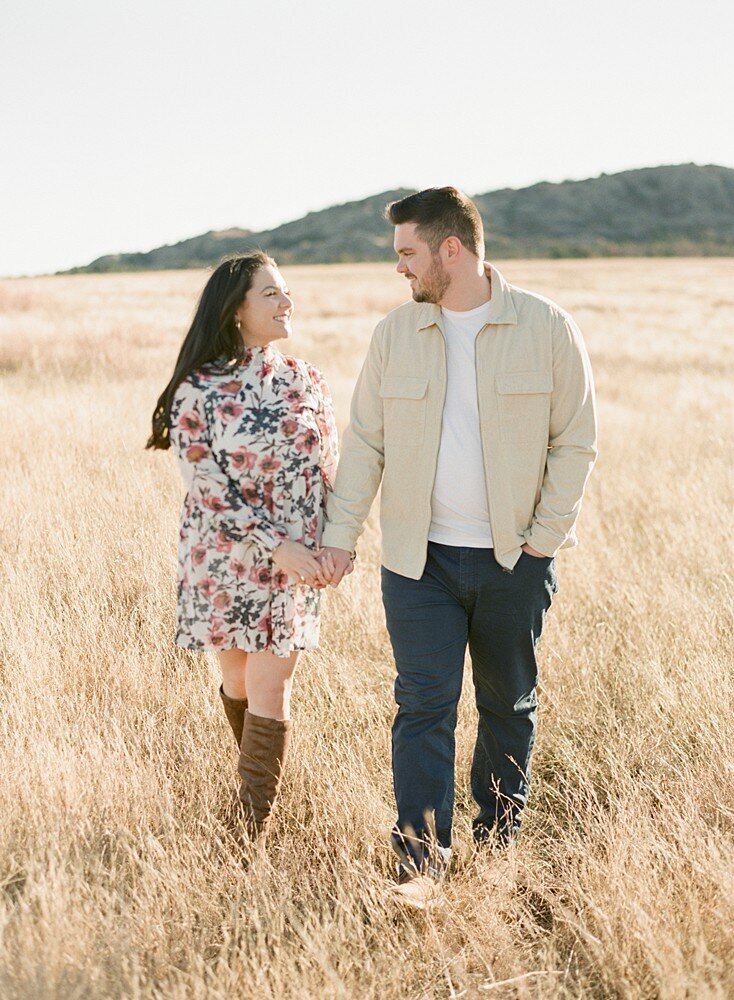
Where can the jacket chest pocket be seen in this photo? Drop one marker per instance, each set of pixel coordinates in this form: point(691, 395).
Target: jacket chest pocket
point(404, 406)
point(523, 400)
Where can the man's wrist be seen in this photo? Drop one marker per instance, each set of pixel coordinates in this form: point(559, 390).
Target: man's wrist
point(339, 537)
point(541, 540)
point(528, 548)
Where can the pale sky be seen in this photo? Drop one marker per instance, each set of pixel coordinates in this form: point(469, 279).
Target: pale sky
point(126, 126)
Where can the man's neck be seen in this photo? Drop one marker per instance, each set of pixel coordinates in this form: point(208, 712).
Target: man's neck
point(470, 293)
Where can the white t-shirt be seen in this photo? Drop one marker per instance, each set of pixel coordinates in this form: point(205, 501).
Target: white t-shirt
point(459, 511)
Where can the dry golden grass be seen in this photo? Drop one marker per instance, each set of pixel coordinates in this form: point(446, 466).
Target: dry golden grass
point(117, 875)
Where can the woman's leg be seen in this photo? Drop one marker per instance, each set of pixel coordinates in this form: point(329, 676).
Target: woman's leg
point(232, 690)
point(233, 664)
point(269, 683)
point(266, 737)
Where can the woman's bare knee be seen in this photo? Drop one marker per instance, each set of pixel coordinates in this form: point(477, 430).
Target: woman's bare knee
point(233, 664)
point(269, 684)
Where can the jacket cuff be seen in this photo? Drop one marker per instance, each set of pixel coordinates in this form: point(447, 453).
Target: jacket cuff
point(542, 540)
point(339, 537)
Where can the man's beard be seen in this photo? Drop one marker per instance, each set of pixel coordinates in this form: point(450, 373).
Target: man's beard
point(434, 285)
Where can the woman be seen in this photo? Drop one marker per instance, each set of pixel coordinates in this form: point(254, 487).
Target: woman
point(255, 436)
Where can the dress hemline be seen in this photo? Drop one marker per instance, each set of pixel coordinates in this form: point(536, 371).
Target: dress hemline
point(201, 647)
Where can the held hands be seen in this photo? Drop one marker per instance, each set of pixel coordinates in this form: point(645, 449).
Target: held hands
point(327, 566)
point(337, 562)
point(300, 564)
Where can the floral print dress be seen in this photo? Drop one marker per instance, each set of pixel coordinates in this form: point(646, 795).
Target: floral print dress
point(258, 448)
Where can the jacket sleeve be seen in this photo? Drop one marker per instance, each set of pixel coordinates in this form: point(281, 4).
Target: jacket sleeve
point(329, 455)
point(572, 447)
point(362, 455)
point(209, 487)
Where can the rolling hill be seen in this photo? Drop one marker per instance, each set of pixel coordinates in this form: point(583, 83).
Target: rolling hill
point(678, 210)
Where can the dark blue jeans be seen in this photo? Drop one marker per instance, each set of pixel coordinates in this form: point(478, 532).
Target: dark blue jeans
point(464, 598)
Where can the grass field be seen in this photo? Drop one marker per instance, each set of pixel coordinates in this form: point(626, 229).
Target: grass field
point(117, 878)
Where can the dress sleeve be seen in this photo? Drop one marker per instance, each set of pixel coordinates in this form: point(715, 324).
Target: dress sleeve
point(209, 487)
point(329, 458)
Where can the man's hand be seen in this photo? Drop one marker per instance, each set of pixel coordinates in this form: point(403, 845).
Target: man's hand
point(340, 559)
point(533, 552)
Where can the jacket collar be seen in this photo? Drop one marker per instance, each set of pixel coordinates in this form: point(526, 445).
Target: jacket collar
point(501, 307)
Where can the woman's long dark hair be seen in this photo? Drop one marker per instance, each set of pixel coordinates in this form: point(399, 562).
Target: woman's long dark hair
point(212, 333)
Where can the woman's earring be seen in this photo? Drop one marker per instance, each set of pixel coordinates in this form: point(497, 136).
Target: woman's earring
point(238, 324)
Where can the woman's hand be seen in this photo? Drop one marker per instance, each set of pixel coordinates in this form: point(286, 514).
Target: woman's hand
point(299, 563)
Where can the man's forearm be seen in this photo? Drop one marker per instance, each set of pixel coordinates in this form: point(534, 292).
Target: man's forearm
point(362, 456)
point(572, 440)
point(357, 482)
point(567, 471)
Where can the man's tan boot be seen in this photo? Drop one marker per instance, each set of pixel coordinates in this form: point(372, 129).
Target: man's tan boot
point(234, 709)
point(263, 753)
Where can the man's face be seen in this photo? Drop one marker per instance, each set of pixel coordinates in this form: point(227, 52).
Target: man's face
point(428, 278)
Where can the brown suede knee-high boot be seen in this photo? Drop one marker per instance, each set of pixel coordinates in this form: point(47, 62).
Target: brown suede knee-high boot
point(263, 754)
point(234, 709)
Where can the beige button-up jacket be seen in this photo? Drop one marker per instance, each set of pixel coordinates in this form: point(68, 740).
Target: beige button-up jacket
point(537, 416)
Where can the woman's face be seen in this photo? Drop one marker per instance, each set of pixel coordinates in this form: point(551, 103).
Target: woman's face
point(265, 314)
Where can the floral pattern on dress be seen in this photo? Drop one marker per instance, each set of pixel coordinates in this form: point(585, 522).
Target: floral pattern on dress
point(258, 447)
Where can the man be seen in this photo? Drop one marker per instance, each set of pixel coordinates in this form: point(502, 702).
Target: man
point(475, 409)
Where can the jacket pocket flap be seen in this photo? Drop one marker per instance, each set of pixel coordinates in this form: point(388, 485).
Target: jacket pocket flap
point(404, 386)
point(510, 382)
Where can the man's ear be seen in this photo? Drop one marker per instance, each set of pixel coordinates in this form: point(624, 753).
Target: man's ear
point(452, 247)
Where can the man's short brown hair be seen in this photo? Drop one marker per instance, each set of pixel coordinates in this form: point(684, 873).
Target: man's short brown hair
point(439, 213)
